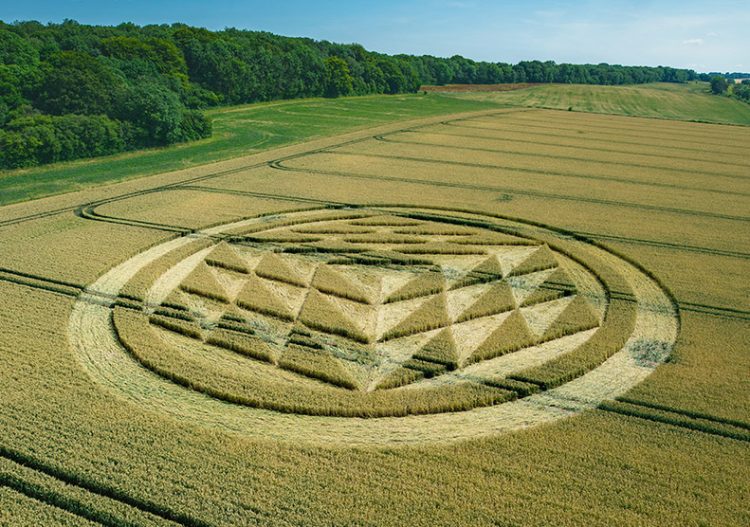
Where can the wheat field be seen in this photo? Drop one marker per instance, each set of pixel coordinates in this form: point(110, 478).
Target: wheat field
point(455, 320)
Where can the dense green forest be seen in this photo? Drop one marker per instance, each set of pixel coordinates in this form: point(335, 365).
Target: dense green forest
point(69, 90)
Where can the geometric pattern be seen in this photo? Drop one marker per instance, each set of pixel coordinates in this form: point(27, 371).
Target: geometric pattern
point(386, 296)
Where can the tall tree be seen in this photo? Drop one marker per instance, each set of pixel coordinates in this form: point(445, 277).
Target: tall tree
point(338, 79)
point(76, 82)
point(719, 85)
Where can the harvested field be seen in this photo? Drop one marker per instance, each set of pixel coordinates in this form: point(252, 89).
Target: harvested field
point(462, 88)
point(388, 317)
point(684, 102)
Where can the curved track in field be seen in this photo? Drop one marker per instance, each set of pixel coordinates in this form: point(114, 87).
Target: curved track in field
point(93, 340)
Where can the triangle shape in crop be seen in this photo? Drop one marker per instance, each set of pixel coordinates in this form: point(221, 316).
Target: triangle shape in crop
point(317, 364)
point(432, 314)
point(399, 376)
point(455, 266)
point(428, 283)
point(330, 281)
point(203, 283)
point(557, 285)
point(498, 299)
point(321, 314)
point(441, 349)
point(258, 296)
point(487, 271)
point(273, 267)
point(227, 258)
point(541, 259)
point(577, 316)
point(513, 334)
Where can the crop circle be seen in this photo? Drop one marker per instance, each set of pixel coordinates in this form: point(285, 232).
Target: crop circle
point(374, 325)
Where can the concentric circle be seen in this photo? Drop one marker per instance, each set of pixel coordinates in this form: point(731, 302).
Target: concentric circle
point(376, 325)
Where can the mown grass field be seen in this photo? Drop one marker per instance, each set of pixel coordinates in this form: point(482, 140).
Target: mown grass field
point(237, 131)
point(210, 377)
point(686, 102)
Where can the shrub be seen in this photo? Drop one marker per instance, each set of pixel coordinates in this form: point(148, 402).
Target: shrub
point(39, 139)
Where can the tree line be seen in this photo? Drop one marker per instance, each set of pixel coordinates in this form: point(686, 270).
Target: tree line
point(70, 90)
point(741, 91)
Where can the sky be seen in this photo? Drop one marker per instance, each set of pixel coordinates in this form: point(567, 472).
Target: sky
point(705, 36)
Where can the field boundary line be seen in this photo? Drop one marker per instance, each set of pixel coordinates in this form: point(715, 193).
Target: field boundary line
point(634, 143)
point(717, 311)
point(257, 159)
point(598, 126)
point(687, 413)
point(31, 276)
point(77, 292)
point(61, 500)
point(538, 194)
point(624, 116)
point(590, 148)
point(89, 213)
point(676, 419)
point(386, 139)
point(265, 195)
point(667, 245)
point(36, 216)
point(101, 490)
point(58, 502)
point(533, 124)
point(302, 199)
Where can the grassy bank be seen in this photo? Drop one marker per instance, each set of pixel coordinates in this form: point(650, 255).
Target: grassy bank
point(239, 130)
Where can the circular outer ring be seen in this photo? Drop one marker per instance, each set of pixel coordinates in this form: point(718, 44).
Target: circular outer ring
point(93, 340)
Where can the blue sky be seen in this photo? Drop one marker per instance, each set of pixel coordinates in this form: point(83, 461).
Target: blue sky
point(706, 36)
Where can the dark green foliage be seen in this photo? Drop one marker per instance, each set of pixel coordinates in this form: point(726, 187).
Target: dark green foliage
point(163, 54)
point(39, 139)
point(15, 50)
point(193, 125)
point(146, 77)
point(719, 85)
point(75, 82)
point(742, 91)
point(155, 111)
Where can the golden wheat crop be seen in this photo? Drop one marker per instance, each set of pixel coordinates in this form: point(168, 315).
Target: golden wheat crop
point(234, 404)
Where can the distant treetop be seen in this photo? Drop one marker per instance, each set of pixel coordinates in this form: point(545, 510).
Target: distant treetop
point(132, 86)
